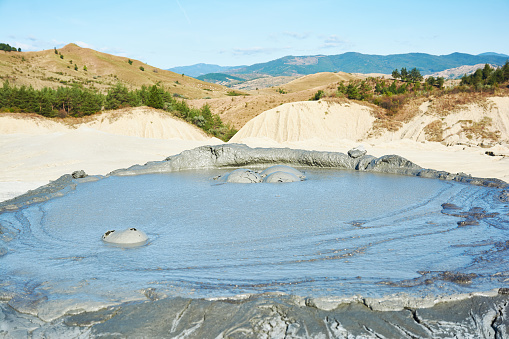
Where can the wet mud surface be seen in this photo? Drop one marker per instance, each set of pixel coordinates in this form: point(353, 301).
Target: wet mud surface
point(344, 252)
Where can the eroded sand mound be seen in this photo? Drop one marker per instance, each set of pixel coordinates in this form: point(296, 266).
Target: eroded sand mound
point(144, 122)
point(141, 122)
point(308, 120)
point(472, 124)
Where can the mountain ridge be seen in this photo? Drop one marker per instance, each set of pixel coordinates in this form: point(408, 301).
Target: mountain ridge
point(354, 62)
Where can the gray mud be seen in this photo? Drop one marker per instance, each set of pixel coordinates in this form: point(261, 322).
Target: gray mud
point(238, 155)
point(262, 315)
point(272, 316)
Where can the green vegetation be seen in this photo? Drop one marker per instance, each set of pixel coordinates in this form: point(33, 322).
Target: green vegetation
point(130, 62)
point(318, 95)
point(234, 94)
point(413, 76)
point(48, 102)
point(155, 96)
point(392, 95)
point(8, 48)
point(142, 68)
point(76, 101)
point(487, 77)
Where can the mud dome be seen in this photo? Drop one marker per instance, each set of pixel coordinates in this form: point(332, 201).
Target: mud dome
point(129, 237)
point(321, 256)
point(273, 174)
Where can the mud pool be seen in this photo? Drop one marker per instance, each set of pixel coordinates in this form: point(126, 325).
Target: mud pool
point(336, 234)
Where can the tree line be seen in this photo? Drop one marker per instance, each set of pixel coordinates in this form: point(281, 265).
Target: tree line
point(487, 77)
point(77, 102)
point(8, 48)
point(50, 102)
point(414, 75)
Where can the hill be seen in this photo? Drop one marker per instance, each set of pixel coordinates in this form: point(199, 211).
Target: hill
point(238, 110)
point(73, 65)
point(458, 72)
point(365, 63)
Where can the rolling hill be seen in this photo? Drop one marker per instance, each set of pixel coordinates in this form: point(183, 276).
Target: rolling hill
point(73, 65)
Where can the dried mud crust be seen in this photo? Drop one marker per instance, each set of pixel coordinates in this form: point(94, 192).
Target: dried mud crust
point(269, 316)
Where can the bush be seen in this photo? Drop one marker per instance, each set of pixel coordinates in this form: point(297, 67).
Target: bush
point(318, 95)
point(234, 94)
point(142, 68)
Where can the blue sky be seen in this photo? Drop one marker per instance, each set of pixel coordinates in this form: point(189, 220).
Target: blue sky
point(184, 32)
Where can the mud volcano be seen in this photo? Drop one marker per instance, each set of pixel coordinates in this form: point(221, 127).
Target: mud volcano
point(352, 250)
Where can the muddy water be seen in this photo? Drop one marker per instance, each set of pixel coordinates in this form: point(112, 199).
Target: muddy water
point(338, 233)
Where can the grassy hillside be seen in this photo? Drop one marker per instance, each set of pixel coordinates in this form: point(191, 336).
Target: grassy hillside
point(238, 110)
point(73, 65)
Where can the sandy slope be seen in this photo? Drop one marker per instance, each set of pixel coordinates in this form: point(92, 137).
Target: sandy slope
point(302, 121)
point(36, 150)
point(305, 125)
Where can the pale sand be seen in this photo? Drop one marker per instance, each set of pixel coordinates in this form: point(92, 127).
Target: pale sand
point(36, 150)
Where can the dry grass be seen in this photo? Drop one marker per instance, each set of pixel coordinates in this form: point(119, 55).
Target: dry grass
point(434, 131)
point(324, 79)
point(449, 102)
point(47, 69)
point(479, 129)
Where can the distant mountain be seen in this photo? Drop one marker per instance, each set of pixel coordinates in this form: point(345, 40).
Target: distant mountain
point(219, 78)
point(365, 63)
point(201, 69)
point(494, 54)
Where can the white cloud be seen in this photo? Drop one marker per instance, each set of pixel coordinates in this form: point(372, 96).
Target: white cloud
point(84, 44)
point(296, 35)
point(253, 50)
point(333, 41)
point(25, 47)
point(114, 51)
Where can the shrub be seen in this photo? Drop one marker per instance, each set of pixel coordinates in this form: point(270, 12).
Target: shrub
point(142, 68)
point(318, 95)
point(233, 93)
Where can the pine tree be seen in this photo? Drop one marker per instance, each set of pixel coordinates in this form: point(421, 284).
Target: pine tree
point(155, 98)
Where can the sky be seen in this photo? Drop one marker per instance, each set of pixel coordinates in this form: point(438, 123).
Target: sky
point(174, 33)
